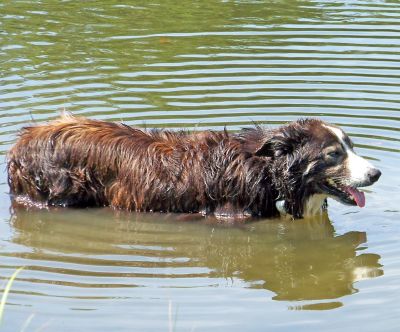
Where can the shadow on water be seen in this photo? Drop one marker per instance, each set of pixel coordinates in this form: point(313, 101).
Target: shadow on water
point(297, 261)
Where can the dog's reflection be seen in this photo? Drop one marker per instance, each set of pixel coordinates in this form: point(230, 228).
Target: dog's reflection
point(301, 260)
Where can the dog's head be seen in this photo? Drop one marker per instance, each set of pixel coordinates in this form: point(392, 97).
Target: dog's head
point(313, 160)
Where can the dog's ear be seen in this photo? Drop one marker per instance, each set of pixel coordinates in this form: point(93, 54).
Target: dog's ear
point(276, 146)
point(273, 143)
point(277, 142)
point(262, 142)
point(255, 141)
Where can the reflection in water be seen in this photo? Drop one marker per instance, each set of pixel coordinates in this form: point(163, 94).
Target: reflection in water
point(203, 64)
point(301, 260)
point(297, 261)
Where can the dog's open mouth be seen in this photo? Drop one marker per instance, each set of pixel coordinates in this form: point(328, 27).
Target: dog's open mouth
point(345, 194)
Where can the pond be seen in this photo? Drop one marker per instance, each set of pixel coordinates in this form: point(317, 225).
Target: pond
point(196, 65)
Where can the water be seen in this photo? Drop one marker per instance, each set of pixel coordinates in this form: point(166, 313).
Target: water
point(201, 65)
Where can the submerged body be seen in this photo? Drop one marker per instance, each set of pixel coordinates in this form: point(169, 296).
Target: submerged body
point(82, 162)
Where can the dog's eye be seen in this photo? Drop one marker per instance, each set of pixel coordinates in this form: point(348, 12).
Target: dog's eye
point(334, 154)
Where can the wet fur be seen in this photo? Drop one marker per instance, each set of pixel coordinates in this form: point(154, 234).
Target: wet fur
point(81, 162)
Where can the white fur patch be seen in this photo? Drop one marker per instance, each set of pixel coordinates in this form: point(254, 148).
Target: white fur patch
point(314, 205)
point(280, 206)
point(358, 167)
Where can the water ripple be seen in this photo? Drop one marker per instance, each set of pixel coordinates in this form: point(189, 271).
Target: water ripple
point(199, 66)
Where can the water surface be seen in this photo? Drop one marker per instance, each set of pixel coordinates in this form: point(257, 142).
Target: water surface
point(197, 65)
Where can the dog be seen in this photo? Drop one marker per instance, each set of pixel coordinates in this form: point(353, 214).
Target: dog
point(257, 172)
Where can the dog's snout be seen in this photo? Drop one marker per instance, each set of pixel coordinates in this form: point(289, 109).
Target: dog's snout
point(374, 174)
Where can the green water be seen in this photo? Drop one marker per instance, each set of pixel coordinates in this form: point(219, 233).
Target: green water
point(204, 64)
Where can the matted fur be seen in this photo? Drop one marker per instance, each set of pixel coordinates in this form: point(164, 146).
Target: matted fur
point(81, 162)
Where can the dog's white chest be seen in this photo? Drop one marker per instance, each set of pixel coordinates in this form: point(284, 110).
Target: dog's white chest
point(313, 206)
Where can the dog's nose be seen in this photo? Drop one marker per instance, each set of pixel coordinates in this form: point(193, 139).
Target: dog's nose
point(374, 174)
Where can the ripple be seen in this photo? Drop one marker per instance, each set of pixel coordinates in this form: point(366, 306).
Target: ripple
point(214, 65)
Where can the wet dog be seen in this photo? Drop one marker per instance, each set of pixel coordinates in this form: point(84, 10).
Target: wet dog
point(257, 172)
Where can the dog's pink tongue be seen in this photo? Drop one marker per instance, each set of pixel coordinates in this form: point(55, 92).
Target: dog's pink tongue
point(358, 196)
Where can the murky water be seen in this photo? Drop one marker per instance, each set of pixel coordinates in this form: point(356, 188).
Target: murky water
point(204, 64)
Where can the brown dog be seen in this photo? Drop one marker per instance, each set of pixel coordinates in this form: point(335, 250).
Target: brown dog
point(258, 172)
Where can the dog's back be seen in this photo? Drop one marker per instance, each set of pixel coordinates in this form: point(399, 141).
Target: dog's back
point(82, 162)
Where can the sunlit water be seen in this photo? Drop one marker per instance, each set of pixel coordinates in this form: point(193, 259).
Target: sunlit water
point(204, 64)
